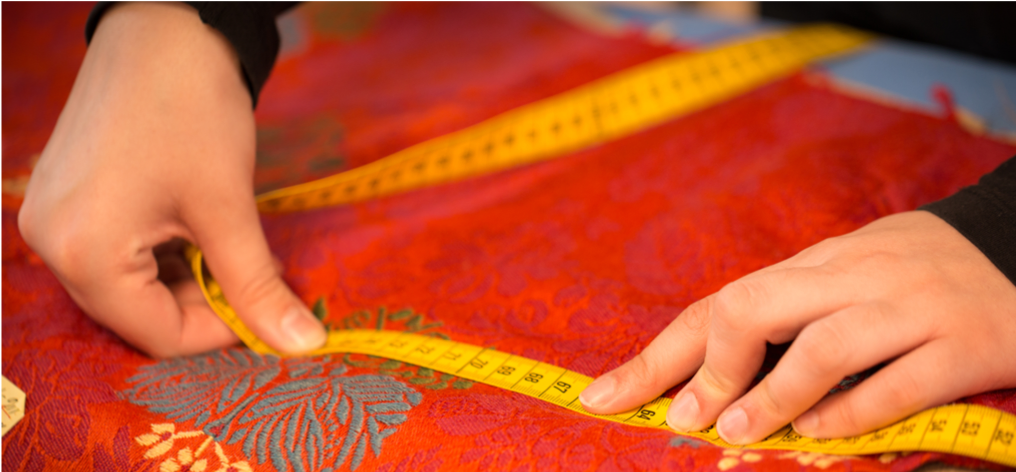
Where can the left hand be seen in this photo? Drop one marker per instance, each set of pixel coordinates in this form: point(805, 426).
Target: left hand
point(907, 289)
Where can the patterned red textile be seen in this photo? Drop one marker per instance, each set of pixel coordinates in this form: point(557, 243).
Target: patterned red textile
point(578, 261)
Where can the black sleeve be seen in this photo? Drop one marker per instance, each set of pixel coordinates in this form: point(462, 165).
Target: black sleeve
point(986, 215)
point(982, 28)
point(249, 27)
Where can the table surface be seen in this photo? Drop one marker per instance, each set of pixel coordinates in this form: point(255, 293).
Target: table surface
point(907, 72)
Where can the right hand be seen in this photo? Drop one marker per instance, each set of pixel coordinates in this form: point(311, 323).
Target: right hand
point(156, 145)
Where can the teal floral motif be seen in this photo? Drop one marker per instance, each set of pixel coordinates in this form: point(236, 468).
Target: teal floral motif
point(678, 441)
point(298, 414)
point(400, 320)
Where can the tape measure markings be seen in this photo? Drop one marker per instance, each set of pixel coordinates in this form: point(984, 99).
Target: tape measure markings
point(13, 404)
point(605, 109)
point(949, 426)
point(608, 108)
point(943, 429)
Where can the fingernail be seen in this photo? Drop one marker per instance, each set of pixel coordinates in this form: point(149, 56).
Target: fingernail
point(806, 424)
point(684, 413)
point(303, 331)
point(598, 393)
point(733, 426)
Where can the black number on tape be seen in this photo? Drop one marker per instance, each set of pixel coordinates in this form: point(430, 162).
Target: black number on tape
point(452, 356)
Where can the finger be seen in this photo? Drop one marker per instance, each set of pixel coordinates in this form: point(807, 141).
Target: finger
point(670, 358)
point(136, 305)
point(933, 374)
point(768, 307)
point(175, 273)
point(825, 352)
point(237, 254)
point(201, 329)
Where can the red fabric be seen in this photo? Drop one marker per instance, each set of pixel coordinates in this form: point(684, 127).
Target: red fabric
point(578, 261)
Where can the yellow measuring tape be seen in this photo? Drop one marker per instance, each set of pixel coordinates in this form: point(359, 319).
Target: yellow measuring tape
point(606, 109)
point(969, 430)
point(603, 110)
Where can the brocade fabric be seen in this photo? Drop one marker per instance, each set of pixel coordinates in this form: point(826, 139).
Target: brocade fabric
point(579, 261)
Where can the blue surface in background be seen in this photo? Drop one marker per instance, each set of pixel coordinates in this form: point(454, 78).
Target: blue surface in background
point(910, 71)
point(906, 70)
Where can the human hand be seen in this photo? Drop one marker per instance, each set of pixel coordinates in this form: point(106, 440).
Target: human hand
point(907, 289)
point(156, 145)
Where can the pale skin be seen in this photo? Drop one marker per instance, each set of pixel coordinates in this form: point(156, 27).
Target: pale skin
point(156, 146)
point(907, 289)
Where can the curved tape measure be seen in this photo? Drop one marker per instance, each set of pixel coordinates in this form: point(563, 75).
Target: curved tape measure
point(969, 430)
point(617, 105)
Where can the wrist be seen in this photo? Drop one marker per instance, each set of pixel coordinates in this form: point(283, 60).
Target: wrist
point(164, 54)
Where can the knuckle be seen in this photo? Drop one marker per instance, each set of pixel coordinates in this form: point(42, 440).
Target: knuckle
point(638, 373)
point(718, 385)
point(738, 297)
point(846, 415)
point(695, 319)
point(903, 391)
point(28, 224)
point(818, 253)
point(263, 288)
point(769, 400)
point(67, 252)
point(825, 347)
point(67, 248)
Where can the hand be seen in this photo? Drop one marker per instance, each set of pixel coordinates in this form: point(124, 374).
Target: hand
point(156, 145)
point(907, 289)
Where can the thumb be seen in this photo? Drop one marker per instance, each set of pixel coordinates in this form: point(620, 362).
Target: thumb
point(230, 235)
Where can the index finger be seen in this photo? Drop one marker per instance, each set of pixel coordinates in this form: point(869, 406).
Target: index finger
point(670, 358)
point(770, 307)
point(673, 356)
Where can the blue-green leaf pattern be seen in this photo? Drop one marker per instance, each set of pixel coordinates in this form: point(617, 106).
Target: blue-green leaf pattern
point(301, 414)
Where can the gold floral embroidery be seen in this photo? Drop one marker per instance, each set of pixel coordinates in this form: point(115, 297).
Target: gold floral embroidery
point(888, 457)
point(227, 466)
point(161, 439)
point(164, 437)
point(185, 459)
point(733, 457)
point(822, 461)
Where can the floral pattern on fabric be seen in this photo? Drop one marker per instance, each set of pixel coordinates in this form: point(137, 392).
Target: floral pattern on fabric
point(578, 261)
point(60, 388)
point(164, 439)
point(297, 414)
point(399, 320)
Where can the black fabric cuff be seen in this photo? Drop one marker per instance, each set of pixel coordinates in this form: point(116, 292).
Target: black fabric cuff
point(248, 26)
point(986, 215)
